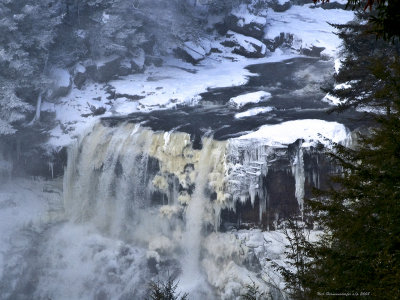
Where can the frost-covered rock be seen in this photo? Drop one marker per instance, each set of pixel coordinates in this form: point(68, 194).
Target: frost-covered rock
point(244, 45)
point(193, 52)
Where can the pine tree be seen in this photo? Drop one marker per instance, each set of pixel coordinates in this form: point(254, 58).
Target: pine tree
point(359, 251)
point(160, 290)
point(27, 31)
point(384, 16)
point(253, 292)
point(365, 68)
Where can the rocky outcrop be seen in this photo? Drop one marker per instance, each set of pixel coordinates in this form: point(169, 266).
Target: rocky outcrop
point(244, 45)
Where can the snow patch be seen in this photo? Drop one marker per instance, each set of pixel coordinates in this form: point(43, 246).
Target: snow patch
point(256, 97)
point(310, 130)
point(254, 112)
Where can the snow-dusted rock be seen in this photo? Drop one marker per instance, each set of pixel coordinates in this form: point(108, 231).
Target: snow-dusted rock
point(193, 52)
point(244, 45)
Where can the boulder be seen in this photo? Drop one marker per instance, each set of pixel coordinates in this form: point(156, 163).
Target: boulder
point(108, 68)
point(193, 52)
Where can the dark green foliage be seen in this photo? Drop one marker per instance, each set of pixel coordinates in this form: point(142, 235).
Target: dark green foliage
point(252, 292)
point(360, 248)
point(384, 16)
point(27, 32)
point(359, 251)
point(365, 79)
point(159, 290)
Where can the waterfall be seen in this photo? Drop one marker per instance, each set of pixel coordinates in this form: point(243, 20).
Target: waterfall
point(154, 190)
point(209, 159)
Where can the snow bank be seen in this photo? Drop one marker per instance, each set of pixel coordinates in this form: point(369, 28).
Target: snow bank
point(255, 97)
point(310, 130)
point(309, 25)
point(254, 112)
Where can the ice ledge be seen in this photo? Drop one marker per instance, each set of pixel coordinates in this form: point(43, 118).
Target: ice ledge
point(310, 130)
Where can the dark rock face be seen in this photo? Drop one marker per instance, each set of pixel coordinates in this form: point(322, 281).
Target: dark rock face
point(278, 201)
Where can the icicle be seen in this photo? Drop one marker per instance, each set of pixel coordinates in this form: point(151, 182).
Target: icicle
point(51, 169)
point(299, 176)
